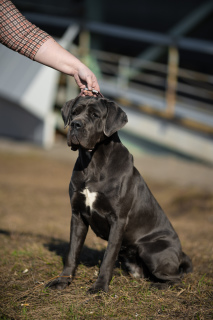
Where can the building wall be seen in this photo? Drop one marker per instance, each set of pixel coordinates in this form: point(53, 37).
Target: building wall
point(19, 124)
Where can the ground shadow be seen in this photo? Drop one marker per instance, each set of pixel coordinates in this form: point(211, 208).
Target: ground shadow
point(89, 257)
point(5, 232)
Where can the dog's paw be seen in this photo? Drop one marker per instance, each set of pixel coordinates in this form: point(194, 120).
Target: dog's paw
point(98, 287)
point(59, 283)
point(159, 285)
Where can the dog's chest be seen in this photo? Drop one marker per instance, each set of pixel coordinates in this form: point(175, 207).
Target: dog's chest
point(90, 197)
point(96, 212)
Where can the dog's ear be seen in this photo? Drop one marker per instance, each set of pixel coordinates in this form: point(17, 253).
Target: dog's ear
point(116, 118)
point(66, 111)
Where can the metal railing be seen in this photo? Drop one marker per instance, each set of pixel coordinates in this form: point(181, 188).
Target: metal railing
point(173, 91)
point(154, 87)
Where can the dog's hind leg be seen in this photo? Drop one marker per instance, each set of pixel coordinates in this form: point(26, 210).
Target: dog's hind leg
point(186, 264)
point(164, 265)
point(134, 269)
point(132, 263)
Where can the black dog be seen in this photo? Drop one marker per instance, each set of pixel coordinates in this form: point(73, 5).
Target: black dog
point(108, 194)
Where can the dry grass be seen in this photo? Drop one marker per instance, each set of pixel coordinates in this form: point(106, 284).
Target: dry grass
point(34, 219)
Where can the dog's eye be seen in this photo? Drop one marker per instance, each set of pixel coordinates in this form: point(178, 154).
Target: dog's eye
point(95, 115)
point(75, 113)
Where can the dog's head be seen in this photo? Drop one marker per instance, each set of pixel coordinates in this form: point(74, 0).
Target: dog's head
point(91, 120)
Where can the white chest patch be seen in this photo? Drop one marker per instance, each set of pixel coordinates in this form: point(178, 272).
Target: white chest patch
point(90, 197)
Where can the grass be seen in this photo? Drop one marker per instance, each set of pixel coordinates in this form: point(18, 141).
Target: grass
point(23, 295)
point(35, 215)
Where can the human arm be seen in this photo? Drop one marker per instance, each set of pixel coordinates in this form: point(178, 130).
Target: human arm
point(20, 35)
point(53, 55)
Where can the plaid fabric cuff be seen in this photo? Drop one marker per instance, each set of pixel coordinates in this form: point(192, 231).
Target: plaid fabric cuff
point(17, 33)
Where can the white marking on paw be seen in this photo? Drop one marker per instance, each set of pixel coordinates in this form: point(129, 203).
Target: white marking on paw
point(134, 269)
point(90, 197)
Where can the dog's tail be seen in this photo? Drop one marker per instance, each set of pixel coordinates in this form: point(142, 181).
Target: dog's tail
point(186, 264)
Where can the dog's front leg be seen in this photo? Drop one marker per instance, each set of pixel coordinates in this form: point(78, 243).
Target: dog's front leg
point(110, 256)
point(78, 232)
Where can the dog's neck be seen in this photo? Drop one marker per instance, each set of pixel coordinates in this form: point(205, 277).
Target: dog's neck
point(102, 150)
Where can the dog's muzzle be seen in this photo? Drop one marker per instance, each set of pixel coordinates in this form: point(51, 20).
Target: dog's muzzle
point(76, 125)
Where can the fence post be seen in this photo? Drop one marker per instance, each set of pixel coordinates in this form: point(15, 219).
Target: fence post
point(123, 72)
point(172, 80)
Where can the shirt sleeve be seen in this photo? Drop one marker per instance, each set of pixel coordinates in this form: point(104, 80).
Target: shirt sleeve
point(17, 33)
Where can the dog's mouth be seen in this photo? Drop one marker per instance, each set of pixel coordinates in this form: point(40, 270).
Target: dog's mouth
point(74, 142)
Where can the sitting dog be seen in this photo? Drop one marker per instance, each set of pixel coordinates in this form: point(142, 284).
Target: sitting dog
point(108, 194)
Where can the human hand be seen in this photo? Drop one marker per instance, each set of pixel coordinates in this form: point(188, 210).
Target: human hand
point(84, 77)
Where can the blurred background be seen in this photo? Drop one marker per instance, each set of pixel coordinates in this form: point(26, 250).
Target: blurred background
point(153, 57)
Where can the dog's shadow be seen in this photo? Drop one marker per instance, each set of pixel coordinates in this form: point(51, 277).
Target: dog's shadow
point(89, 257)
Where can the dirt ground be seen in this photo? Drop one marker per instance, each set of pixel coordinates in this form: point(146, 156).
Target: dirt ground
point(34, 232)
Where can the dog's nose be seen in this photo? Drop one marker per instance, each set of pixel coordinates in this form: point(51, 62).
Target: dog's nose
point(77, 124)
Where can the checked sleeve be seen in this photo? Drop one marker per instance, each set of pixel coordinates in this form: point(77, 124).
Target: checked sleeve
point(17, 33)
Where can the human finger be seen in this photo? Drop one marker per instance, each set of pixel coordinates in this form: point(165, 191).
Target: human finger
point(79, 81)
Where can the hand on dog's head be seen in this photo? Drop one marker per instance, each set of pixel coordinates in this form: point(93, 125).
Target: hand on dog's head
point(90, 120)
